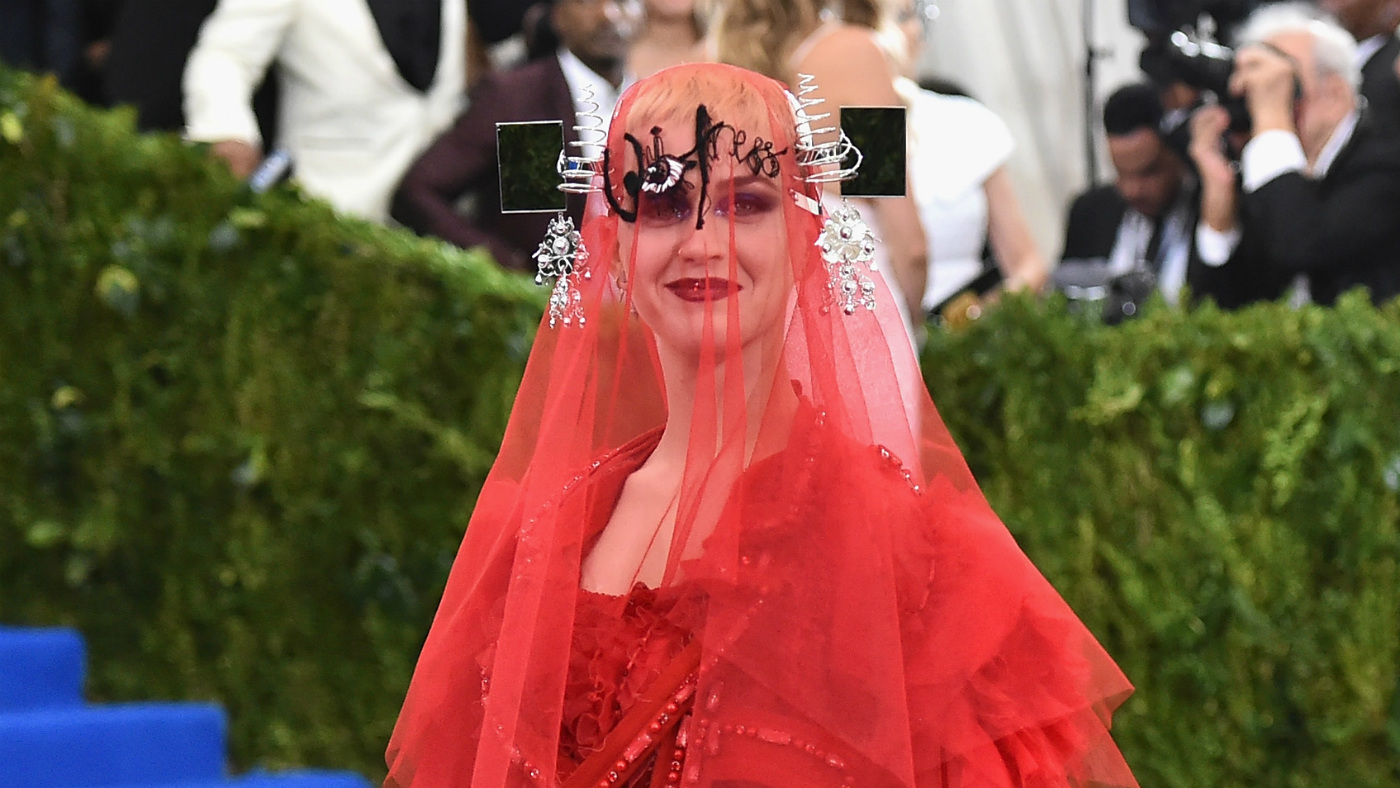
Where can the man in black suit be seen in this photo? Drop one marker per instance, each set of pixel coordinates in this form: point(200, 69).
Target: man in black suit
point(462, 162)
point(149, 42)
point(1373, 24)
point(1144, 222)
point(61, 37)
point(1321, 183)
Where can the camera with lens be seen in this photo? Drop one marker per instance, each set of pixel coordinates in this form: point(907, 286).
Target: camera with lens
point(1206, 65)
point(1183, 46)
point(1095, 290)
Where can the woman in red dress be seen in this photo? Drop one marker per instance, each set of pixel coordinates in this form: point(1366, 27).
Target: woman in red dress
point(717, 548)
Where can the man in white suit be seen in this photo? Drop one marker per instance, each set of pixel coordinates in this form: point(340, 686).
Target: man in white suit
point(365, 86)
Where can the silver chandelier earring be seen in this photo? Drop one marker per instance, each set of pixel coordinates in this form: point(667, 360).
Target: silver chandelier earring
point(848, 250)
point(562, 254)
point(846, 242)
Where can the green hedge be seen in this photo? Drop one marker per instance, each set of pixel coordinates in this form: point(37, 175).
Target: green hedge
point(239, 441)
point(1216, 495)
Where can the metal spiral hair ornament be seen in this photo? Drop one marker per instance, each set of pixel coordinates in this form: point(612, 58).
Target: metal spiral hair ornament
point(824, 162)
point(847, 245)
point(562, 254)
point(579, 171)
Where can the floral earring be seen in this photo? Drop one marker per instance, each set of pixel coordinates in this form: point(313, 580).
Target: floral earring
point(562, 254)
point(846, 242)
point(848, 246)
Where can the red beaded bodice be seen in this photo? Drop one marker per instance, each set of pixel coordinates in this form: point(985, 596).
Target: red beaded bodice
point(620, 647)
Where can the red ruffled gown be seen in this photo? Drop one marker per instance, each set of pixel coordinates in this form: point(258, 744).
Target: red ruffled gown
point(994, 700)
point(621, 645)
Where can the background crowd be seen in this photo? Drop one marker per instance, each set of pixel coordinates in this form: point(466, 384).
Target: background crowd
point(389, 111)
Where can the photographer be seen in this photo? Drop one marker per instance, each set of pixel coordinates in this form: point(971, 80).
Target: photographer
point(1321, 185)
point(1134, 236)
point(1143, 219)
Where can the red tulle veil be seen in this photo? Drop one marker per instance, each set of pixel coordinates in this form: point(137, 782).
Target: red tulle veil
point(861, 617)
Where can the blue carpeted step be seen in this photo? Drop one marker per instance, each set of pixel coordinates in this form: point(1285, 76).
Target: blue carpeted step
point(50, 739)
point(147, 744)
point(40, 668)
point(298, 779)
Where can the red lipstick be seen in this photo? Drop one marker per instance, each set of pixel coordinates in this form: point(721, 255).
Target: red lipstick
point(710, 288)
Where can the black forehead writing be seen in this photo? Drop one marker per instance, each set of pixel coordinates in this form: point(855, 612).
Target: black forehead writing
point(658, 172)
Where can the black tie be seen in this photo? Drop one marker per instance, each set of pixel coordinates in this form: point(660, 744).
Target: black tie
point(1154, 247)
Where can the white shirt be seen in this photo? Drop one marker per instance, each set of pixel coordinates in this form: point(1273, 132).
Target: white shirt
point(1365, 50)
point(1267, 156)
point(1173, 251)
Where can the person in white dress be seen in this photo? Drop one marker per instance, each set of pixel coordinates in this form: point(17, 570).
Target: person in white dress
point(957, 165)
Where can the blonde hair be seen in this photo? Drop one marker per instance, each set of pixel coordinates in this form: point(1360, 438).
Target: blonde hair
point(760, 35)
point(759, 107)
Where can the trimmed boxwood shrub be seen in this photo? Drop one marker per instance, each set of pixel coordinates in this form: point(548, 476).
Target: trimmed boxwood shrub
point(1216, 495)
point(240, 439)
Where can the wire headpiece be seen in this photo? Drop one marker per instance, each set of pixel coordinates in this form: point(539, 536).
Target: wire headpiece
point(562, 254)
point(824, 162)
point(846, 242)
point(577, 172)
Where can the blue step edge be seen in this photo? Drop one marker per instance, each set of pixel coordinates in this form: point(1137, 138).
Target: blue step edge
point(41, 668)
point(302, 778)
point(299, 778)
point(138, 744)
point(49, 738)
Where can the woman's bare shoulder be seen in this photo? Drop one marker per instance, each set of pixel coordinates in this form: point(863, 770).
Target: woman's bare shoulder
point(837, 40)
point(849, 65)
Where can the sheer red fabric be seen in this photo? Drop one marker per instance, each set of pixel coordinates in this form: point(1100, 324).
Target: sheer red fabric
point(720, 455)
